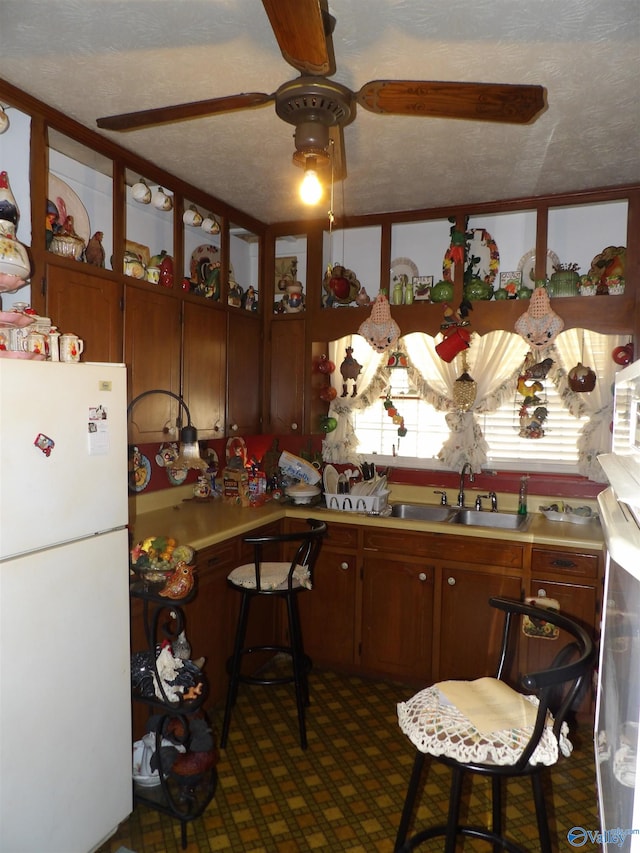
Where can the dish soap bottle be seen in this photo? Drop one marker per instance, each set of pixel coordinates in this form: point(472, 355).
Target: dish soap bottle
point(522, 496)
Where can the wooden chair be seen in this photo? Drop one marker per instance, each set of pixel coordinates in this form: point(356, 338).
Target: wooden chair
point(485, 727)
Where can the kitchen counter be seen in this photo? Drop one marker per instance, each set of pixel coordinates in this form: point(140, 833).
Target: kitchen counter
point(202, 523)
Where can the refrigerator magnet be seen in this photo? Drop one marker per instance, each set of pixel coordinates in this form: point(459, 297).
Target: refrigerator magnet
point(44, 443)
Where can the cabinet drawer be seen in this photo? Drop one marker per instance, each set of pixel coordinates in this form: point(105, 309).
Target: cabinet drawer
point(217, 557)
point(338, 536)
point(462, 549)
point(559, 562)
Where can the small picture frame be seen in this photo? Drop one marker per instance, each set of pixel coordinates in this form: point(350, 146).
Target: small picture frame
point(422, 285)
point(507, 277)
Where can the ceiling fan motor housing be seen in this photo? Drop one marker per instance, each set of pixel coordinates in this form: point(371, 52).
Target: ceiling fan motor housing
point(313, 105)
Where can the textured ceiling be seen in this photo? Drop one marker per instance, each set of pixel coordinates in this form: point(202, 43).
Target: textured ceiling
point(88, 58)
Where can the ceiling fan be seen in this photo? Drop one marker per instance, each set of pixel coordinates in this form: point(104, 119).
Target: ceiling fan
point(320, 108)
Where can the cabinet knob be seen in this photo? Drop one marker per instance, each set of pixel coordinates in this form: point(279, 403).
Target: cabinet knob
point(422, 577)
point(234, 427)
point(294, 426)
point(451, 581)
point(542, 593)
point(344, 565)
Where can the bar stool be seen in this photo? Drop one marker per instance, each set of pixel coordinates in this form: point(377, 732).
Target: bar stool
point(284, 580)
point(485, 727)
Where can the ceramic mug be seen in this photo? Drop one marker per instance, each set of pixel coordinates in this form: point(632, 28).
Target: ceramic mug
point(210, 224)
point(35, 342)
point(192, 216)
point(141, 192)
point(71, 347)
point(161, 200)
point(153, 274)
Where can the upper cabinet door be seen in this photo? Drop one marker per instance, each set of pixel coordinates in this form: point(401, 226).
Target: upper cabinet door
point(204, 351)
point(244, 374)
point(152, 333)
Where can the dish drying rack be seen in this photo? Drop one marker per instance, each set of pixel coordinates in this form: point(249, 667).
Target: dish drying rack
point(357, 503)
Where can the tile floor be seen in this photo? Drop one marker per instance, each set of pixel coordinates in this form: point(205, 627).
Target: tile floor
point(345, 792)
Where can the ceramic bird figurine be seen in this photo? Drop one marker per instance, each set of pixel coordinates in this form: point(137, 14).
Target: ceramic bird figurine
point(539, 370)
point(181, 647)
point(8, 206)
point(94, 253)
point(179, 583)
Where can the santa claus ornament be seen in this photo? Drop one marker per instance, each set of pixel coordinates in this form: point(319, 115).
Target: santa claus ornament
point(380, 331)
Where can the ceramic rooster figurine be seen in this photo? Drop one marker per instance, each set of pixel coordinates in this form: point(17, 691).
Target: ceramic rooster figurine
point(179, 583)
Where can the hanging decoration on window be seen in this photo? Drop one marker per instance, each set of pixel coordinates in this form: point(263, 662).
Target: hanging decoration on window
point(539, 325)
point(350, 370)
point(456, 338)
point(380, 330)
point(394, 414)
point(532, 409)
point(465, 387)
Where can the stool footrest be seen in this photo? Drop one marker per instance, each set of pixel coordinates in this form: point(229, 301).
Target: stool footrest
point(467, 831)
point(271, 679)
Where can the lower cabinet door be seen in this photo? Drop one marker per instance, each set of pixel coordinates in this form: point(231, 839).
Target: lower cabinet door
point(328, 612)
point(470, 629)
point(397, 618)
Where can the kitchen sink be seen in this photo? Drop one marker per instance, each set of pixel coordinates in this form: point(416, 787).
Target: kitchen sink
point(501, 520)
point(422, 512)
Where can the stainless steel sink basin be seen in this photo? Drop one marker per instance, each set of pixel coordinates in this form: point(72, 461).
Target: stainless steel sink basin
point(501, 520)
point(422, 512)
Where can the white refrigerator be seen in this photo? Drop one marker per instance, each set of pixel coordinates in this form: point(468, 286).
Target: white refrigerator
point(65, 712)
point(617, 724)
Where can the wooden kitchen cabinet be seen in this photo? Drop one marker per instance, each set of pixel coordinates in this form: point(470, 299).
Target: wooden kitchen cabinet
point(328, 612)
point(397, 617)
point(468, 639)
point(89, 304)
point(204, 362)
point(573, 578)
point(287, 374)
point(152, 338)
point(244, 373)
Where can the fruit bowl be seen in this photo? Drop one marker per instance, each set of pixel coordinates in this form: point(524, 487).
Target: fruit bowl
point(157, 556)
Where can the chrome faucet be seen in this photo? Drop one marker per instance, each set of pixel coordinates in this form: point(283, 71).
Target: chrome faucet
point(465, 468)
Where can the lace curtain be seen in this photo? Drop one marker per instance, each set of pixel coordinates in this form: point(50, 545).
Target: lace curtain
point(593, 350)
point(340, 445)
point(491, 359)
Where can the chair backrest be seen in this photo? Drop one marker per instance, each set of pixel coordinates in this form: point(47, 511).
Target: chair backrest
point(305, 555)
point(557, 686)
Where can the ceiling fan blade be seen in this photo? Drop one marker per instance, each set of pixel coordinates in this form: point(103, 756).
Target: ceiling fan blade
point(303, 31)
point(183, 112)
point(516, 104)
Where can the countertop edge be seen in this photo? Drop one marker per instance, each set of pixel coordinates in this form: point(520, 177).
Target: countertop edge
point(203, 524)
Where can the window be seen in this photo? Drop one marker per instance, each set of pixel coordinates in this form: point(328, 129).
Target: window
point(557, 450)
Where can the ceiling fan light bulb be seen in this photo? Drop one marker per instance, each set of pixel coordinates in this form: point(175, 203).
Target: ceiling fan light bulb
point(310, 188)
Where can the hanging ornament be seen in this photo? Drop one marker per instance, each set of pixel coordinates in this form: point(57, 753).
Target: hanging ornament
point(539, 325)
point(324, 365)
point(380, 329)
point(465, 388)
point(350, 370)
point(530, 387)
point(581, 379)
point(392, 412)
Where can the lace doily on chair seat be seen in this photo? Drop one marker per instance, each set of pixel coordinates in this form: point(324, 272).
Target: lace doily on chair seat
point(438, 727)
point(272, 576)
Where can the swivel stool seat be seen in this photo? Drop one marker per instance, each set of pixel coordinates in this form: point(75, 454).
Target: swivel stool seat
point(285, 580)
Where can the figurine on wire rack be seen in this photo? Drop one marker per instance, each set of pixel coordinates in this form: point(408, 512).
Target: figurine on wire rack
point(179, 583)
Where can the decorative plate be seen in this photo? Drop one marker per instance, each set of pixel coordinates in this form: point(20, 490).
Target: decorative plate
point(527, 265)
point(403, 266)
point(72, 204)
point(140, 473)
point(482, 246)
point(202, 254)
